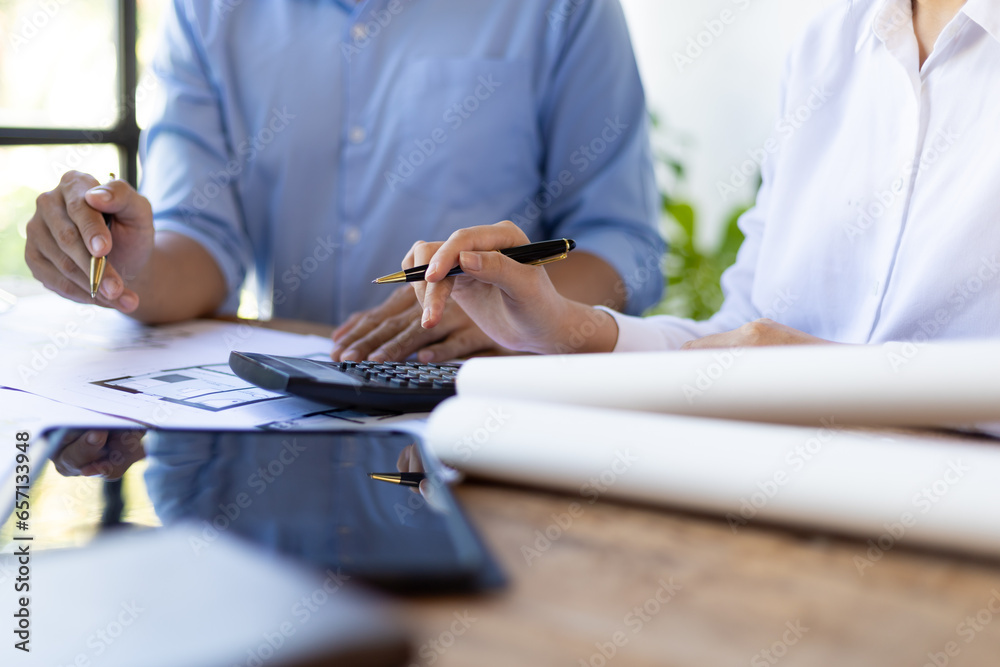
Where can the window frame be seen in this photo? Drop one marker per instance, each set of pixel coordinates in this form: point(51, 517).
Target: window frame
point(124, 134)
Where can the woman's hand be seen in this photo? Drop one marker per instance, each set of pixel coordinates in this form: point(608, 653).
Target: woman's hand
point(515, 304)
point(759, 333)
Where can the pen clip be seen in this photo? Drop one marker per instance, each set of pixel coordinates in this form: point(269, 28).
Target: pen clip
point(549, 260)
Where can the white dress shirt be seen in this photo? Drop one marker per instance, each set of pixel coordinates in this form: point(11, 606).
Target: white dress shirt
point(879, 214)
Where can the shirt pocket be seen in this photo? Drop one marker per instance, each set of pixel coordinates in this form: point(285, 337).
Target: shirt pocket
point(469, 135)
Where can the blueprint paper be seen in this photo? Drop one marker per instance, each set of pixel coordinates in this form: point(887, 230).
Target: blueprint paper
point(174, 376)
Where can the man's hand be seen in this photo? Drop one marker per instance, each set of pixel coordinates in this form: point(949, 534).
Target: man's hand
point(759, 333)
point(392, 332)
point(98, 453)
point(67, 229)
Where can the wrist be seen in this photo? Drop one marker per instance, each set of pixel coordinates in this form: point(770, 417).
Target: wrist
point(584, 330)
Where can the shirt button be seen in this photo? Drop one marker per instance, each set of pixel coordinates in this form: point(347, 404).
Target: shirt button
point(357, 134)
point(352, 235)
point(358, 32)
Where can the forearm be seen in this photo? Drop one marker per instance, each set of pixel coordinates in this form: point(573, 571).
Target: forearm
point(588, 279)
point(181, 281)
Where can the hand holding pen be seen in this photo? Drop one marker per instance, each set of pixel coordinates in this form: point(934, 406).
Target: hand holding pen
point(515, 304)
point(68, 231)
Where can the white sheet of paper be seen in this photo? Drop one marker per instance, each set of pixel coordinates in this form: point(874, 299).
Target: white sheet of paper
point(909, 489)
point(170, 376)
point(896, 384)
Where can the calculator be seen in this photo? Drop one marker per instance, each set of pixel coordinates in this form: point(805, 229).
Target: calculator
point(400, 386)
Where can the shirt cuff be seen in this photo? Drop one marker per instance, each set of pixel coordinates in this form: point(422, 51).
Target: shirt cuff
point(635, 334)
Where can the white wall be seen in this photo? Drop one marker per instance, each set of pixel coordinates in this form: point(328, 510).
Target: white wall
point(724, 103)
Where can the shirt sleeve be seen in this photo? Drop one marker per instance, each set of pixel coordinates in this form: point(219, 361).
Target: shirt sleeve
point(665, 332)
point(598, 156)
point(188, 149)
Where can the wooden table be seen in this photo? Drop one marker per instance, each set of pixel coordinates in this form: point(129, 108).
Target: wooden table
point(629, 585)
point(799, 598)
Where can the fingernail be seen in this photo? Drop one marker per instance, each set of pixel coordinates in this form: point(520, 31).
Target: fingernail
point(426, 317)
point(97, 244)
point(101, 194)
point(350, 355)
point(425, 356)
point(128, 302)
point(94, 438)
point(109, 288)
point(431, 268)
point(377, 357)
point(471, 261)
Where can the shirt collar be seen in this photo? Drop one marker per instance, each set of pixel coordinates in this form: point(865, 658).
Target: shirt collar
point(987, 14)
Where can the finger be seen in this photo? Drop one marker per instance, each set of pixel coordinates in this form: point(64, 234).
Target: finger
point(461, 343)
point(77, 288)
point(518, 281)
point(405, 343)
point(392, 338)
point(436, 298)
point(709, 342)
point(62, 231)
point(346, 326)
point(402, 300)
point(488, 237)
point(118, 198)
point(81, 452)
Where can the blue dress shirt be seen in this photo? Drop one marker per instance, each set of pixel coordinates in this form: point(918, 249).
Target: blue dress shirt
point(309, 144)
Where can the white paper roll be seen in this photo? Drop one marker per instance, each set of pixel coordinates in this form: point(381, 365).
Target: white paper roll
point(897, 384)
point(911, 489)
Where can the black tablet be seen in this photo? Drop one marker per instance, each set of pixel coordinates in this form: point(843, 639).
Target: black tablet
point(337, 501)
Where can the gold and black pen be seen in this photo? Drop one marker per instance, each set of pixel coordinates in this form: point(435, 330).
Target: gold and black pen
point(533, 253)
point(97, 264)
point(401, 478)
